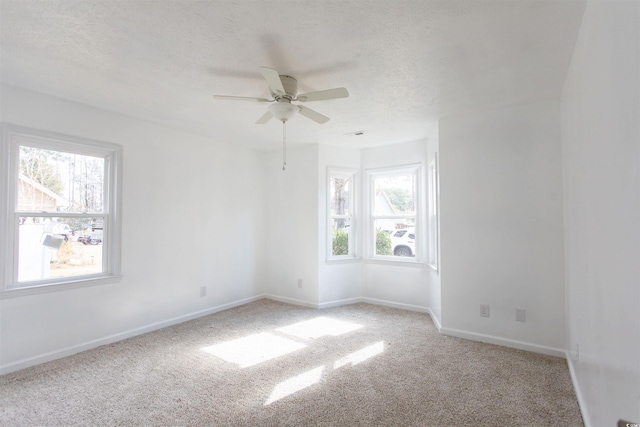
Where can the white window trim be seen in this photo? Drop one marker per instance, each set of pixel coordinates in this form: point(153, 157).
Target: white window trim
point(370, 256)
point(112, 153)
point(353, 223)
point(434, 215)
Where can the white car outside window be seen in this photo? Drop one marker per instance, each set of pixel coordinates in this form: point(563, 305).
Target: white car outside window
point(403, 242)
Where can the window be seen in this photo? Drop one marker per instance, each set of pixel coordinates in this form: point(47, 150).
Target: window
point(394, 205)
point(341, 218)
point(434, 226)
point(62, 214)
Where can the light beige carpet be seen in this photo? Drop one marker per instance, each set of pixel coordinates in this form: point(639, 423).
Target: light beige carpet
point(273, 364)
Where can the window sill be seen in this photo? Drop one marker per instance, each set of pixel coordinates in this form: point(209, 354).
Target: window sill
point(343, 260)
point(59, 286)
point(385, 261)
point(382, 261)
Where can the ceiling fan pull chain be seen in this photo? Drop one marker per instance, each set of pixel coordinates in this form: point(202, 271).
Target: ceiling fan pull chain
point(284, 144)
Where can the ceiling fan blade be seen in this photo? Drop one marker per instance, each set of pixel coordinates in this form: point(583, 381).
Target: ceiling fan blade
point(265, 118)
point(242, 98)
point(273, 80)
point(313, 115)
point(321, 95)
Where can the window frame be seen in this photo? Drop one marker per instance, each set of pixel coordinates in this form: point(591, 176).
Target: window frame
point(434, 215)
point(335, 172)
point(12, 138)
point(370, 240)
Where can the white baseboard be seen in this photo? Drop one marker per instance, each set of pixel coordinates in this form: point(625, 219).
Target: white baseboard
point(435, 321)
point(520, 345)
point(409, 307)
point(292, 301)
point(58, 354)
point(338, 303)
point(582, 404)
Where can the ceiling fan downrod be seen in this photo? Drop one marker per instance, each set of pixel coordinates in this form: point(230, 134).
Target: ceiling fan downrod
point(284, 144)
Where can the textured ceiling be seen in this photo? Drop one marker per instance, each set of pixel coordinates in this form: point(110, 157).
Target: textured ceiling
point(405, 63)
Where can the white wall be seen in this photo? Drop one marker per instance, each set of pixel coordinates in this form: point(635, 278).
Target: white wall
point(601, 165)
point(404, 286)
point(501, 226)
point(192, 217)
point(292, 225)
point(339, 282)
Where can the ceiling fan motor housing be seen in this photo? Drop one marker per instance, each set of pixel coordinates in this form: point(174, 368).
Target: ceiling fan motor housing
point(290, 85)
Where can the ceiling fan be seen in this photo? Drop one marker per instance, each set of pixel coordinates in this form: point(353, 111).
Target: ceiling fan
point(284, 90)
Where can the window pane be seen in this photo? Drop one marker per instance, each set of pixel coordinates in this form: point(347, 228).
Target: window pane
point(395, 195)
point(340, 232)
point(59, 247)
point(57, 181)
point(395, 237)
point(340, 196)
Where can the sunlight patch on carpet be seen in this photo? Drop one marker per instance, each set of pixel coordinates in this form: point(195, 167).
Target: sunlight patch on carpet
point(360, 355)
point(319, 327)
point(295, 384)
point(254, 349)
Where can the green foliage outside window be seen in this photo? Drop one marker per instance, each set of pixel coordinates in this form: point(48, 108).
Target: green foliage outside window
point(400, 198)
point(340, 241)
point(383, 243)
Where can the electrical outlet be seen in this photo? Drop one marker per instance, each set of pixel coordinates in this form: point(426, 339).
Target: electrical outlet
point(521, 315)
point(300, 283)
point(484, 310)
point(203, 291)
